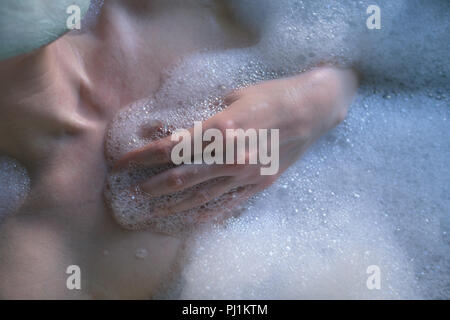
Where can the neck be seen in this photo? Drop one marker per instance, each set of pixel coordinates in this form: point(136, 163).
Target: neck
point(39, 95)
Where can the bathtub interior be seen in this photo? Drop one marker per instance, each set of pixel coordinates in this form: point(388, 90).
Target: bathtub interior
point(374, 191)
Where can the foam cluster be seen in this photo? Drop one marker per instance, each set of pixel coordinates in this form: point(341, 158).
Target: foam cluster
point(14, 185)
point(135, 209)
point(299, 34)
point(372, 192)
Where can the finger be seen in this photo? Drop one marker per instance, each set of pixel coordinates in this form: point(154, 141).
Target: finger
point(203, 196)
point(159, 152)
point(183, 177)
point(156, 153)
point(228, 210)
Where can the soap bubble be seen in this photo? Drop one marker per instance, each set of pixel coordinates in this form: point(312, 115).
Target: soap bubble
point(14, 185)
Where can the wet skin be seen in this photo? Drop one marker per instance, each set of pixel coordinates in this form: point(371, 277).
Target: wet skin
point(55, 105)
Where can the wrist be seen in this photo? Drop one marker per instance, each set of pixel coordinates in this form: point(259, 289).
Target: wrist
point(318, 100)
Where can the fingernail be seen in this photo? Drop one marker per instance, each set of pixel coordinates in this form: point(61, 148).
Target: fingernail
point(150, 128)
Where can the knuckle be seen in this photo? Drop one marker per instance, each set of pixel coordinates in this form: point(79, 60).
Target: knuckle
point(233, 96)
point(222, 126)
point(292, 96)
point(325, 75)
point(175, 180)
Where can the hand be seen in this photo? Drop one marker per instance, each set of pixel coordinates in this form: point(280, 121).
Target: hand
point(302, 107)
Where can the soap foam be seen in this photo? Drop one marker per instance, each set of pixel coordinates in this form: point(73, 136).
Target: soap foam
point(14, 185)
point(372, 192)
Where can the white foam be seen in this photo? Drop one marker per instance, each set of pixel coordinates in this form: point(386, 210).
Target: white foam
point(372, 192)
point(14, 185)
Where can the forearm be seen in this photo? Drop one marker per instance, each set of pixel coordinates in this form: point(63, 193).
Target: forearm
point(311, 103)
